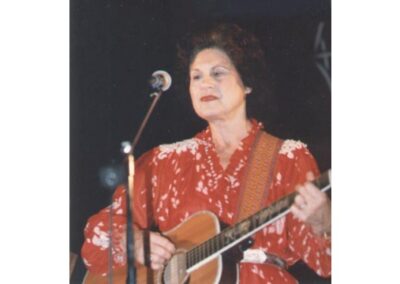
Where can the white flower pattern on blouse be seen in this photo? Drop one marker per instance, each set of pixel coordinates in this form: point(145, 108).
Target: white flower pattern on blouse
point(185, 176)
point(100, 237)
point(289, 146)
point(178, 147)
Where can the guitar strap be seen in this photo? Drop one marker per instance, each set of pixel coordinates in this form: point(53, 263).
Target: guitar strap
point(258, 175)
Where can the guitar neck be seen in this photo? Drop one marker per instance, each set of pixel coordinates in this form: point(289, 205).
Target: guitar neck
point(233, 235)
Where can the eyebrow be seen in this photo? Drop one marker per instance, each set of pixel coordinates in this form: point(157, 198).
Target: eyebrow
point(214, 67)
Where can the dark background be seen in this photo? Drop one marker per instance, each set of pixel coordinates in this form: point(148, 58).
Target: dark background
point(116, 45)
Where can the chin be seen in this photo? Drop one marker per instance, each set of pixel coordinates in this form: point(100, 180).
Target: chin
point(209, 117)
point(209, 114)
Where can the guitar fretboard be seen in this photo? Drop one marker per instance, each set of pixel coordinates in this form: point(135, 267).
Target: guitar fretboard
point(242, 230)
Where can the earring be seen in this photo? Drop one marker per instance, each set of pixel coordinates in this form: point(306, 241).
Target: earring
point(247, 90)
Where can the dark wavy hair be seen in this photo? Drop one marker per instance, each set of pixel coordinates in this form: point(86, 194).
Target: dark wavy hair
point(245, 52)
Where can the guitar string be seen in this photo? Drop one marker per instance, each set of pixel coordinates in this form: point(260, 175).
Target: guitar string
point(252, 232)
point(203, 250)
point(215, 243)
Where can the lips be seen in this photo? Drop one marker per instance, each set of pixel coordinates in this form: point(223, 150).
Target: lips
point(208, 98)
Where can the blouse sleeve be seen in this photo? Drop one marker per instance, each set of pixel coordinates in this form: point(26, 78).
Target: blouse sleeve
point(95, 249)
point(314, 250)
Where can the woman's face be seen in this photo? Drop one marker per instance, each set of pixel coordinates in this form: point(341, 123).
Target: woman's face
point(216, 89)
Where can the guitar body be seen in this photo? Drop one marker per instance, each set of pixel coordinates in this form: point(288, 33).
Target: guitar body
point(200, 232)
point(197, 229)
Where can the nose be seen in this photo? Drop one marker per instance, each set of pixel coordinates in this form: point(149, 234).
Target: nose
point(207, 82)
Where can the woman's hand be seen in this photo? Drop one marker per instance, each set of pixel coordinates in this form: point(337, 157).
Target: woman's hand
point(161, 249)
point(313, 207)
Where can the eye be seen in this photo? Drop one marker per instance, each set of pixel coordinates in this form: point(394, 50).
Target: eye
point(218, 73)
point(195, 77)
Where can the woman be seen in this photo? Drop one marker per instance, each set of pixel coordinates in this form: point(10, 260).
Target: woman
point(206, 173)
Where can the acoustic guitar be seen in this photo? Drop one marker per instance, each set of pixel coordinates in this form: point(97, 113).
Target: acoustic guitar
point(203, 249)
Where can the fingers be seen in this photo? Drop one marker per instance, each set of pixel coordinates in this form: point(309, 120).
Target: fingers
point(161, 250)
point(298, 212)
point(302, 206)
point(310, 176)
point(160, 241)
point(309, 199)
point(157, 262)
point(307, 191)
point(311, 193)
point(312, 206)
point(300, 202)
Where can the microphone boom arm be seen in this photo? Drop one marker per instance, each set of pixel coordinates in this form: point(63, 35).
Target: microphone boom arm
point(156, 95)
point(128, 150)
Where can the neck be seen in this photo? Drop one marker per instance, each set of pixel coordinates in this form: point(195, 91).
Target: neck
point(228, 134)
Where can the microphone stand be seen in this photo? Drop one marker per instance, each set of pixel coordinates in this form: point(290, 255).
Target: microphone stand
point(128, 150)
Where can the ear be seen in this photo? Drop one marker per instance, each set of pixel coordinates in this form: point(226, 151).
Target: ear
point(247, 90)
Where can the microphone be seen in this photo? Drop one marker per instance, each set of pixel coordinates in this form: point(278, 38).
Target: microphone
point(160, 80)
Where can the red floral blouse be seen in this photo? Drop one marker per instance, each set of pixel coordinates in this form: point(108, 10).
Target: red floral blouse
point(186, 177)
